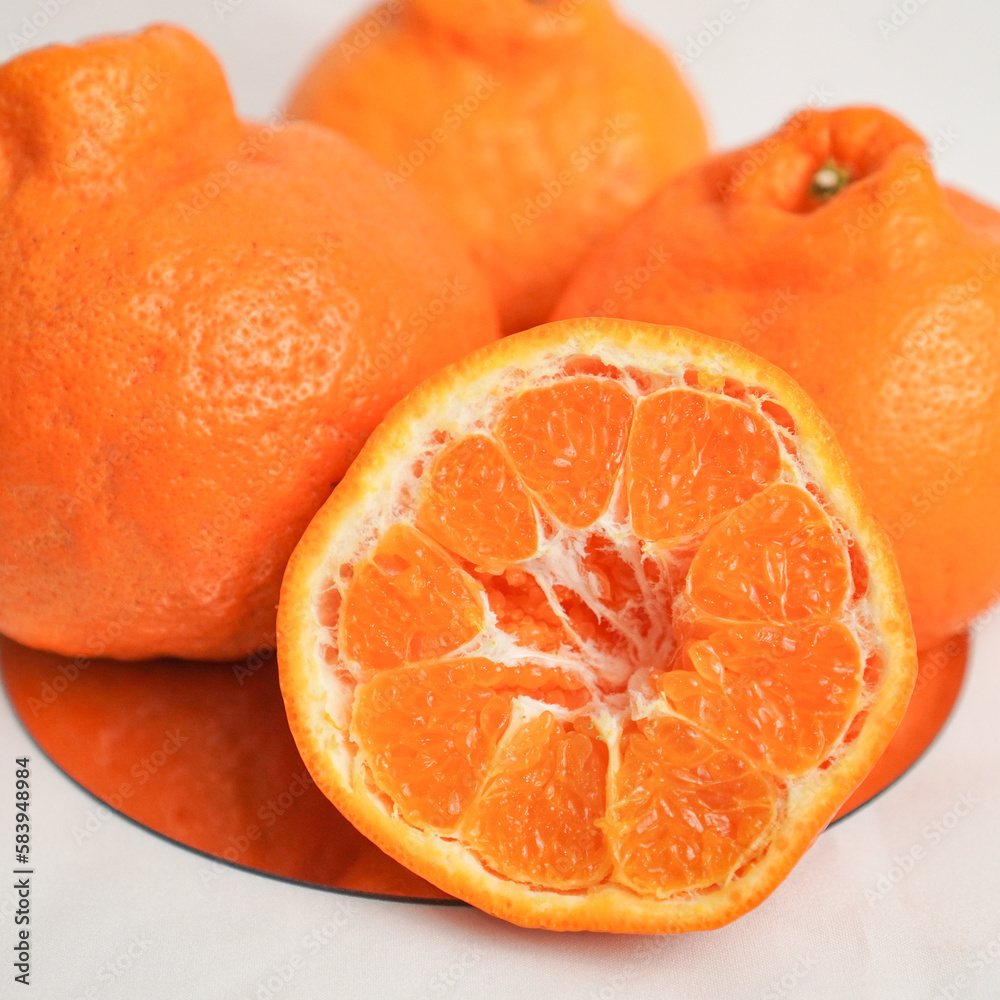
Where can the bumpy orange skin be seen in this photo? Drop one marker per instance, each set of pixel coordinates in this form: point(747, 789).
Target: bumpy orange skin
point(202, 321)
point(532, 129)
point(325, 744)
point(882, 301)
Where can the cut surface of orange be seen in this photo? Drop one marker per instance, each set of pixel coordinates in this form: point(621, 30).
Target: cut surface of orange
point(598, 631)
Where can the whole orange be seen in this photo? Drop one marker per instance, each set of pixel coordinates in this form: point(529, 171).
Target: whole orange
point(831, 249)
point(534, 129)
point(202, 321)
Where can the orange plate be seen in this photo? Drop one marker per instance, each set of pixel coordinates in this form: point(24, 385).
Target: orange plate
point(201, 753)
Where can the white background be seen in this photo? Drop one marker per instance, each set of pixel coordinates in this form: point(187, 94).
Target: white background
point(126, 915)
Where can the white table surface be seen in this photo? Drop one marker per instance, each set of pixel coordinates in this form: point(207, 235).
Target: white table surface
point(121, 913)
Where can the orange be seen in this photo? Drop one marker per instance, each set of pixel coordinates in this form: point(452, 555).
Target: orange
point(203, 319)
point(598, 632)
point(831, 249)
point(534, 129)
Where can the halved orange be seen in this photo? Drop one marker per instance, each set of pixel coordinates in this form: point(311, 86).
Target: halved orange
point(598, 631)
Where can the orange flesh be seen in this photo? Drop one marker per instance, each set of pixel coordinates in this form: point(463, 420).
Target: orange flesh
point(539, 809)
point(618, 630)
point(696, 457)
point(777, 558)
point(567, 441)
point(475, 504)
point(779, 695)
point(408, 602)
point(687, 811)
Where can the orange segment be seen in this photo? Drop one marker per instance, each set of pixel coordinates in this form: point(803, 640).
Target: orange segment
point(537, 818)
point(429, 730)
point(776, 558)
point(780, 695)
point(688, 812)
point(408, 601)
point(429, 735)
point(567, 442)
point(474, 504)
point(692, 457)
